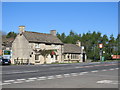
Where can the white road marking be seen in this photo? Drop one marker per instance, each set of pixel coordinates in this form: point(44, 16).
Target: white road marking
point(5, 83)
point(20, 79)
point(41, 78)
point(104, 70)
point(81, 74)
point(111, 69)
point(32, 78)
point(107, 82)
point(29, 80)
point(50, 77)
point(104, 81)
point(59, 76)
point(84, 72)
point(74, 74)
point(94, 71)
point(18, 82)
point(67, 75)
point(116, 68)
point(9, 81)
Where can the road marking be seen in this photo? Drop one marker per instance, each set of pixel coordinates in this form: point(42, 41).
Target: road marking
point(32, 78)
point(9, 81)
point(94, 71)
point(74, 74)
point(81, 73)
point(84, 72)
point(104, 70)
point(18, 82)
point(41, 78)
point(107, 82)
point(116, 68)
point(5, 83)
point(59, 76)
point(29, 80)
point(111, 69)
point(20, 79)
point(50, 77)
point(104, 81)
point(67, 75)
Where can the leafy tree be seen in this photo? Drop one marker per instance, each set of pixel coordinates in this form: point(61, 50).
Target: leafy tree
point(11, 35)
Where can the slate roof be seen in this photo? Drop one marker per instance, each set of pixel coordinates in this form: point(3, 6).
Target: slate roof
point(7, 42)
point(41, 37)
point(71, 48)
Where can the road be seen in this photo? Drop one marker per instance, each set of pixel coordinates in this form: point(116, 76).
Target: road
point(77, 75)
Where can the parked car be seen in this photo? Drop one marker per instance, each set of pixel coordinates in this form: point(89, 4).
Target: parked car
point(5, 61)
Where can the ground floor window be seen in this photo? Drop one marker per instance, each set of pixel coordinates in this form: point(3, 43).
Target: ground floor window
point(51, 56)
point(56, 57)
point(36, 57)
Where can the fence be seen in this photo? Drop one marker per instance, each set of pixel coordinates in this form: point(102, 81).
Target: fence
point(21, 61)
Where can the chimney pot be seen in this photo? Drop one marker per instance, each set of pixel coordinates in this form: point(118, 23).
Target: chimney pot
point(21, 28)
point(78, 43)
point(53, 32)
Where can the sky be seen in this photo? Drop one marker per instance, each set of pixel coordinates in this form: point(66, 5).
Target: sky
point(79, 17)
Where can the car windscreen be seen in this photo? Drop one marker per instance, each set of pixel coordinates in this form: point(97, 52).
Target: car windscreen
point(5, 60)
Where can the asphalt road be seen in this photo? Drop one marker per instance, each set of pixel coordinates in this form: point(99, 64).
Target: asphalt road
point(79, 75)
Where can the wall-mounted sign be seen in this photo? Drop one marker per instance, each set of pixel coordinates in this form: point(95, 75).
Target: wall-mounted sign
point(6, 52)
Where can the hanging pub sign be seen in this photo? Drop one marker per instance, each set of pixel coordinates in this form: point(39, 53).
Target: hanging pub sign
point(100, 45)
point(52, 53)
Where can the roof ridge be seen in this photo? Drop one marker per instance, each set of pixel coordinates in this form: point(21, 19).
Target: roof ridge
point(37, 33)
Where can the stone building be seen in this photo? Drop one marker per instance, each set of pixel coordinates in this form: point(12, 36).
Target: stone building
point(26, 45)
point(74, 53)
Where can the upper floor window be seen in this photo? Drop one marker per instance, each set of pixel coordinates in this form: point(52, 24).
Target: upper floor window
point(37, 45)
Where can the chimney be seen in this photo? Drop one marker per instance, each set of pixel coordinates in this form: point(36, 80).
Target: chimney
point(21, 29)
point(53, 32)
point(78, 43)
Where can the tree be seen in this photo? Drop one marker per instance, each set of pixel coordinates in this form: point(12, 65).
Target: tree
point(11, 35)
point(91, 40)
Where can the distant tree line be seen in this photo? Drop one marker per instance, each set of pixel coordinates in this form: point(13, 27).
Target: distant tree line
point(91, 40)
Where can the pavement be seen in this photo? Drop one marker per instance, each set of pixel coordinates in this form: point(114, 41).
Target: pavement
point(79, 75)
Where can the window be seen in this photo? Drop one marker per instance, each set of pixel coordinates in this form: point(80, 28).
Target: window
point(64, 56)
point(51, 56)
point(37, 45)
point(36, 57)
point(55, 57)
